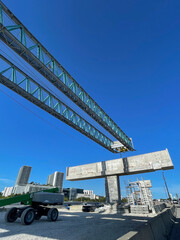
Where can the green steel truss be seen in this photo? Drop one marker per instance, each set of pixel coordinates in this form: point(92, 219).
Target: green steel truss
point(17, 36)
point(15, 79)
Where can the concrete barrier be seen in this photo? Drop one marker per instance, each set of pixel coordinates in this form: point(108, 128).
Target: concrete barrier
point(158, 208)
point(157, 228)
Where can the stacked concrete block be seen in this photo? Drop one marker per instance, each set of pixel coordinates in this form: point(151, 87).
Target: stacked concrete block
point(139, 209)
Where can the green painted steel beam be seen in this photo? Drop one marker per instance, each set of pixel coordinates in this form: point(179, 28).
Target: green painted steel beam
point(51, 69)
point(41, 97)
point(1, 15)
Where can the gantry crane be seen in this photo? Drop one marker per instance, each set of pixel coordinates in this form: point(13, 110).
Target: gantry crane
point(19, 39)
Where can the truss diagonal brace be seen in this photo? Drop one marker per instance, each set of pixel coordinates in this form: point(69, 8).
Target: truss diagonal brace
point(54, 106)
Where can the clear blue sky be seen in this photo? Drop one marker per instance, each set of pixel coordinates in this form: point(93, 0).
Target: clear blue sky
point(126, 55)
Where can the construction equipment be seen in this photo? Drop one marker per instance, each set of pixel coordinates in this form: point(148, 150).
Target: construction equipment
point(36, 206)
point(36, 55)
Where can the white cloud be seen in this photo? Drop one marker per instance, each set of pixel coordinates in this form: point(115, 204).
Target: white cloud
point(5, 180)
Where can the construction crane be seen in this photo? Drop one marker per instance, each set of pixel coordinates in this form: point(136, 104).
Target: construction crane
point(36, 55)
point(166, 187)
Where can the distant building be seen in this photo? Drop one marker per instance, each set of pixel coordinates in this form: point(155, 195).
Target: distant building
point(22, 186)
point(7, 191)
point(23, 176)
point(86, 194)
point(56, 180)
point(73, 193)
point(35, 188)
point(22, 180)
point(89, 194)
point(29, 188)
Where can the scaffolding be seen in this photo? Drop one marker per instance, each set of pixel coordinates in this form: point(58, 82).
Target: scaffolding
point(139, 193)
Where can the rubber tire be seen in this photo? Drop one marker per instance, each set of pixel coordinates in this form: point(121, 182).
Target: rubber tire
point(27, 216)
point(52, 214)
point(11, 215)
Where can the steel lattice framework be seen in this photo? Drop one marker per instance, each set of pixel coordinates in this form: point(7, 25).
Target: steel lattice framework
point(31, 50)
point(15, 79)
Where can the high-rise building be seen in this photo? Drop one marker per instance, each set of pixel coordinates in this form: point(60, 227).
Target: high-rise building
point(22, 186)
point(56, 180)
point(23, 176)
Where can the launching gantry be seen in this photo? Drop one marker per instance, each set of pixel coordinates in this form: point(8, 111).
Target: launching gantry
point(16, 36)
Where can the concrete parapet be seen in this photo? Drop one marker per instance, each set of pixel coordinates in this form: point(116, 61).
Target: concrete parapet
point(158, 228)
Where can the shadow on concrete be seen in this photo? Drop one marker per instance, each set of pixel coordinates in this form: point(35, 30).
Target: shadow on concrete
point(103, 172)
point(73, 225)
point(126, 165)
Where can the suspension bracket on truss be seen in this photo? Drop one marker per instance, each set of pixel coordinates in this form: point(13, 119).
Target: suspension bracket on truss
point(119, 147)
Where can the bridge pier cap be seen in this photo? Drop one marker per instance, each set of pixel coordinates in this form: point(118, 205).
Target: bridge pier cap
point(112, 169)
point(143, 163)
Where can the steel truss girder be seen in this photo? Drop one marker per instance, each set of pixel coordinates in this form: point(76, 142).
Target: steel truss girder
point(62, 79)
point(35, 93)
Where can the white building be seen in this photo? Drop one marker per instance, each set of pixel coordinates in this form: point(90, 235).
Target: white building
point(87, 194)
point(22, 186)
point(23, 175)
point(7, 191)
point(56, 180)
point(29, 188)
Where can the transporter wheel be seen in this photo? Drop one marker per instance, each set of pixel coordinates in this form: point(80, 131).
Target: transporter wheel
point(11, 215)
point(27, 216)
point(52, 214)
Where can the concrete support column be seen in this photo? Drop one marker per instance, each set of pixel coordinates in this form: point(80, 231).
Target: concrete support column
point(112, 188)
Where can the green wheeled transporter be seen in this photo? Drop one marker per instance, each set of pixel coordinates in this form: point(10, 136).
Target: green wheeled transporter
point(37, 206)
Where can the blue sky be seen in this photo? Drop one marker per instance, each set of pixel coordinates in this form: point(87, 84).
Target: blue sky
point(126, 55)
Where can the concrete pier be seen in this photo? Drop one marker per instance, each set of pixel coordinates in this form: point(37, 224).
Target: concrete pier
point(112, 189)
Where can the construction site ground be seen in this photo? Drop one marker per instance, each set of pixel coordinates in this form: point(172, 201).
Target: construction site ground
point(72, 224)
